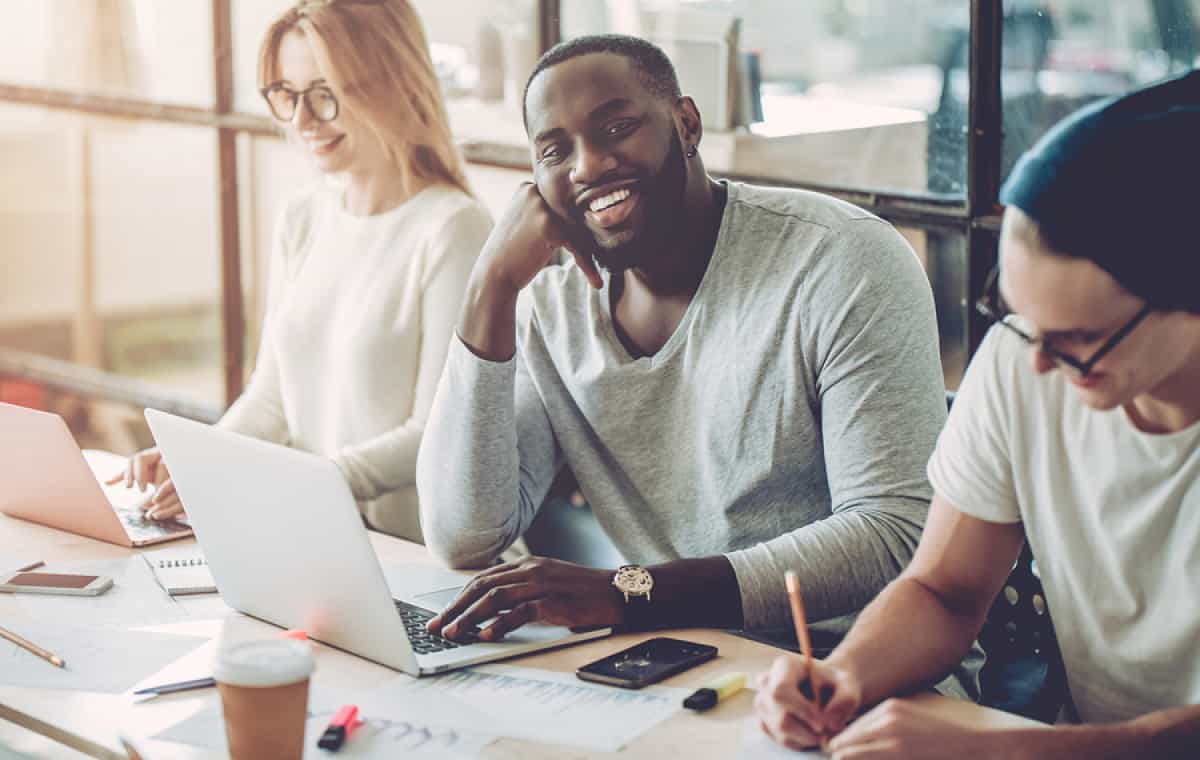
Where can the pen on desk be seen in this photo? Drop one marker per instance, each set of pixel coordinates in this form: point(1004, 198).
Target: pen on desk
point(801, 623)
point(339, 729)
point(171, 688)
point(715, 691)
point(29, 646)
point(204, 683)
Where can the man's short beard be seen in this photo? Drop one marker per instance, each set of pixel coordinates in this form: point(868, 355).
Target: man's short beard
point(664, 213)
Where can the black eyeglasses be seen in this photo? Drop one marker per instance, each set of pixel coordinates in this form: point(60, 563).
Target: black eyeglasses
point(991, 305)
point(283, 101)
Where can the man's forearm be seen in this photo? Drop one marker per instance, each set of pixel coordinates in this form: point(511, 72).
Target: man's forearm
point(1165, 734)
point(690, 593)
point(889, 657)
point(488, 321)
point(843, 561)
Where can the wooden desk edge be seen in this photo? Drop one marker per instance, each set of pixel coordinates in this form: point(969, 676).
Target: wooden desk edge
point(738, 653)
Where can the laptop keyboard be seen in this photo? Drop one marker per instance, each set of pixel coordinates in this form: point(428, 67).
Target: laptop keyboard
point(422, 641)
point(140, 528)
point(127, 503)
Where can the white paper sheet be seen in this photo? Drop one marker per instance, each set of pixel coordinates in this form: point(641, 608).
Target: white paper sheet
point(9, 754)
point(538, 705)
point(135, 599)
point(381, 735)
point(98, 659)
point(758, 746)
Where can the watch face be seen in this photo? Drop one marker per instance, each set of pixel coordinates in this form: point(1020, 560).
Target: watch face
point(634, 580)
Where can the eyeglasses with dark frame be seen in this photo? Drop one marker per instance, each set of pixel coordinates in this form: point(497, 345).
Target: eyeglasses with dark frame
point(991, 305)
point(322, 104)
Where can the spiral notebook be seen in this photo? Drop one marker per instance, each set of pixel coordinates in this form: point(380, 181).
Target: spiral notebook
point(181, 573)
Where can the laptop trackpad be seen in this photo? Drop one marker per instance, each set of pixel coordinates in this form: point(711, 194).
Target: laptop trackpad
point(406, 581)
point(436, 601)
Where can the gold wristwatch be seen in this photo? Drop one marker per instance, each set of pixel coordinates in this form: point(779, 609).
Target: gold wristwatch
point(633, 581)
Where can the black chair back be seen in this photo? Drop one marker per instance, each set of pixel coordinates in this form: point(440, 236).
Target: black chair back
point(1024, 672)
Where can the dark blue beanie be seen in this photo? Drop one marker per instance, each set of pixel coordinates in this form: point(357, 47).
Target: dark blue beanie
point(1116, 183)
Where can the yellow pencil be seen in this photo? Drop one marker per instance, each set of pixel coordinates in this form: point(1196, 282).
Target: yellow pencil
point(29, 646)
point(801, 623)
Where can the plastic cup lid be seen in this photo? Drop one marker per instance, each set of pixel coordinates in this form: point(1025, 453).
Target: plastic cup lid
point(271, 662)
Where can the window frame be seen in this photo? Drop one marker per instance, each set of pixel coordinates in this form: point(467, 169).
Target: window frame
point(976, 216)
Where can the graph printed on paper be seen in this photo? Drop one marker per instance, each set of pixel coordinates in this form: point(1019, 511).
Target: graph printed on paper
point(552, 695)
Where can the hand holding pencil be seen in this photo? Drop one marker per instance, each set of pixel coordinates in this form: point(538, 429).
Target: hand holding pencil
point(810, 684)
point(803, 702)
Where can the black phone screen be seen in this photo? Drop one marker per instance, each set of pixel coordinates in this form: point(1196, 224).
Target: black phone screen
point(649, 661)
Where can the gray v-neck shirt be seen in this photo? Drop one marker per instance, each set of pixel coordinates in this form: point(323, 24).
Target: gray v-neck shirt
point(785, 424)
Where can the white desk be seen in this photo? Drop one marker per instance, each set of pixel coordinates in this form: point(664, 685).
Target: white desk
point(91, 723)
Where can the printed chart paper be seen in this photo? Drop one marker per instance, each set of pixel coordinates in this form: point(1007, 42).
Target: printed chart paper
point(381, 736)
point(537, 705)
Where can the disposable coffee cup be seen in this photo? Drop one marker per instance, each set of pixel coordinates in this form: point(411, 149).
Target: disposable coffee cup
point(264, 695)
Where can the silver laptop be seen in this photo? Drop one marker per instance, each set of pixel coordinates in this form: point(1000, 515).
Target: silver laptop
point(45, 478)
point(286, 543)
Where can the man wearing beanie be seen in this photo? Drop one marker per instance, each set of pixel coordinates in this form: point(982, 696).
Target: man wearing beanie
point(1077, 429)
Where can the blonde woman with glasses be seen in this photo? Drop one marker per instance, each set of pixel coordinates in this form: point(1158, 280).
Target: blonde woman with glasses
point(368, 270)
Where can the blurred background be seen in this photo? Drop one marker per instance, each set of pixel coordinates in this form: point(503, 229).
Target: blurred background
point(141, 176)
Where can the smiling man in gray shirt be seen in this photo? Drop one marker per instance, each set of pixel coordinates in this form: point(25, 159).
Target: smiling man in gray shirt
point(748, 382)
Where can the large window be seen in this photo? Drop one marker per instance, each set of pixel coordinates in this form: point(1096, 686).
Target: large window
point(1062, 55)
point(943, 253)
point(250, 19)
point(824, 91)
point(109, 228)
point(137, 48)
point(483, 51)
point(142, 178)
point(827, 94)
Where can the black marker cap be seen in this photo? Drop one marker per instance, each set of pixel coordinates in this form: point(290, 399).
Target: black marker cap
point(701, 699)
point(332, 738)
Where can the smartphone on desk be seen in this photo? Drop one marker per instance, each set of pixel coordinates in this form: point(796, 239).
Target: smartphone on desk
point(647, 662)
point(69, 584)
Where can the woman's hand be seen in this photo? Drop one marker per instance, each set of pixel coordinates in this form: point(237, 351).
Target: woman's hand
point(146, 469)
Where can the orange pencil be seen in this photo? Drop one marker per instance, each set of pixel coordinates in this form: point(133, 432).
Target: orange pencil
point(793, 589)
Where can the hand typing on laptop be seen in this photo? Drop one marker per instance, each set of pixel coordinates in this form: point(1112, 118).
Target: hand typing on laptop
point(537, 589)
point(147, 470)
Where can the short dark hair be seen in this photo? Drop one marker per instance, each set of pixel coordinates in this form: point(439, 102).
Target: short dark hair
point(653, 67)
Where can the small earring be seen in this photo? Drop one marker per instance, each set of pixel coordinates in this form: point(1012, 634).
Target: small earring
point(691, 151)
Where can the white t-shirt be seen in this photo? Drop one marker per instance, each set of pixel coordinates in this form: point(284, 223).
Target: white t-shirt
point(360, 313)
point(1112, 515)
